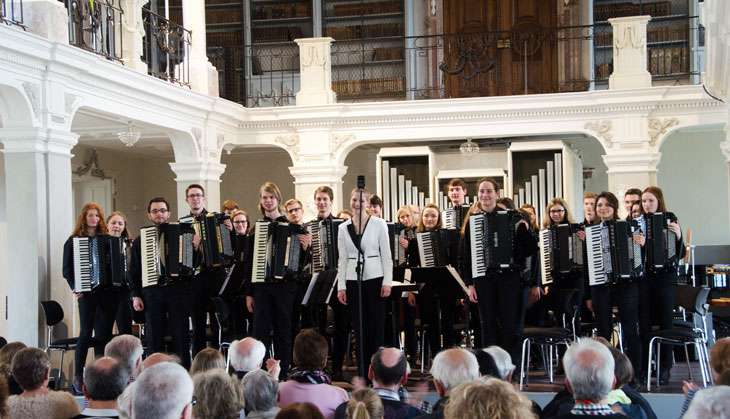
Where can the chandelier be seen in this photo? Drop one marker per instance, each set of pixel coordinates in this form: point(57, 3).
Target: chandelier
point(469, 147)
point(130, 136)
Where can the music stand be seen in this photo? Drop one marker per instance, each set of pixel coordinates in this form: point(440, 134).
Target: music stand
point(320, 288)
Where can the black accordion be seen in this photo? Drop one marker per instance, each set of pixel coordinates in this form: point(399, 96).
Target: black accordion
point(434, 247)
point(276, 250)
point(215, 239)
point(166, 253)
point(397, 231)
point(101, 265)
point(453, 218)
point(561, 251)
point(492, 241)
point(324, 243)
point(661, 242)
point(612, 255)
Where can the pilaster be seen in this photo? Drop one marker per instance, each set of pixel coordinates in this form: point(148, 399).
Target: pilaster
point(206, 173)
point(315, 71)
point(629, 53)
point(132, 33)
point(200, 68)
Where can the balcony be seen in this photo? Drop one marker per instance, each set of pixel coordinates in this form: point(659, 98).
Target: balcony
point(166, 48)
point(11, 12)
point(96, 26)
point(379, 66)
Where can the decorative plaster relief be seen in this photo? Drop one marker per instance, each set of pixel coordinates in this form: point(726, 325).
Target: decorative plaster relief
point(337, 141)
point(659, 127)
point(32, 90)
point(197, 134)
point(290, 143)
point(602, 129)
point(69, 102)
point(313, 57)
point(629, 39)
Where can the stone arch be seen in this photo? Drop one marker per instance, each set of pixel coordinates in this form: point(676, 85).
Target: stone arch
point(16, 108)
point(666, 127)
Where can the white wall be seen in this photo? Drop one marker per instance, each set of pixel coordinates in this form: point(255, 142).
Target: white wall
point(360, 161)
point(3, 244)
point(591, 153)
point(693, 175)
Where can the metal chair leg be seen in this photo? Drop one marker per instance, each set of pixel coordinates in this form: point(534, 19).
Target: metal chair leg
point(658, 362)
point(648, 367)
point(522, 363)
point(686, 357)
point(550, 363)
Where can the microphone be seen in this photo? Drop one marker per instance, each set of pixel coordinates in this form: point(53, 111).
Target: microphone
point(360, 181)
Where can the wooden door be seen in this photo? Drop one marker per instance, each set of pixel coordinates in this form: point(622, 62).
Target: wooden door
point(499, 47)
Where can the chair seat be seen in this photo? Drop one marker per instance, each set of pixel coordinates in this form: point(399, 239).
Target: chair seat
point(683, 323)
point(678, 334)
point(63, 343)
point(547, 333)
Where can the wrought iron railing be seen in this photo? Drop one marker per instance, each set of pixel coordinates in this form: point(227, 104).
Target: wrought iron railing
point(96, 26)
point(536, 60)
point(166, 48)
point(11, 12)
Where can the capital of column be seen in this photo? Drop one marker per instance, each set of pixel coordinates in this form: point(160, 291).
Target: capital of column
point(308, 178)
point(198, 171)
point(632, 161)
point(38, 140)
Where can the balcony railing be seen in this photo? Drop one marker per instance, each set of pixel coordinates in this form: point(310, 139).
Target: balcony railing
point(96, 26)
point(166, 48)
point(11, 12)
point(536, 60)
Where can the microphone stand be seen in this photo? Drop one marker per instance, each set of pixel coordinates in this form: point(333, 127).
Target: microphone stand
point(359, 271)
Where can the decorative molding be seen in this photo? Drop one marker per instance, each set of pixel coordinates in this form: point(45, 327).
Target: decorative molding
point(69, 102)
point(291, 144)
point(314, 57)
point(602, 129)
point(91, 166)
point(725, 148)
point(220, 140)
point(197, 135)
point(337, 141)
point(659, 127)
point(628, 38)
point(32, 90)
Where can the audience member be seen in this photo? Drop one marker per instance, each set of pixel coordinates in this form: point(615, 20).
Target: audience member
point(308, 381)
point(365, 404)
point(260, 390)
point(31, 369)
point(388, 371)
point(206, 360)
point(159, 357)
point(246, 355)
point(6, 357)
point(719, 367)
point(487, 366)
point(163, 391)
point(449, 369)
point(104, 382)
point(503, 361)
point(488, 398)
point(624, 398)
point(300, 411)
point(589, 376)
point(128, 350)
point(713, 402)
point(3, 397)
point(217, 394)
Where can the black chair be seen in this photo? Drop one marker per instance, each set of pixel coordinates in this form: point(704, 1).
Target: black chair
point(693, 300)
point(3, 342)
point(222, 313)
point(550, 337)
point(53, 313)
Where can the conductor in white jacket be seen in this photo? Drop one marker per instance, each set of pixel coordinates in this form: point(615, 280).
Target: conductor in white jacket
point(377, 271)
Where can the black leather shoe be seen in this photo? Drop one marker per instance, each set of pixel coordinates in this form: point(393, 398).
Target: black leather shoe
point(664, 378)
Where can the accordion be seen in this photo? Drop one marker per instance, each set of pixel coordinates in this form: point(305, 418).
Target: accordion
point(661, 242)
point(612, 255)
point(166, 253)
point(492, 241)
point(434, 247)
point(215, 239)
point(397, 231)
point(453, 218)
point(99, 262)
point(561, 251)
point(276, 250)
point(324, 243)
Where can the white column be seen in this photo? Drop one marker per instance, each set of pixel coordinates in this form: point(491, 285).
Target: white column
point(205, 173)
point(46, 18)
point(307, 178)
point(202, 72)
point(630, 169)
point(315, 70)
point(629, 53)
point(132, 33)
point(725, 148)
point(39, 220)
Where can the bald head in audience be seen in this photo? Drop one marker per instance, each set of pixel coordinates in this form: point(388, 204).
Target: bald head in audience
point(388, 368)
point(247, 355)
point(589, 370)
point(159, 357)
point(163, 391)
point(452, 367)
point(104, 382)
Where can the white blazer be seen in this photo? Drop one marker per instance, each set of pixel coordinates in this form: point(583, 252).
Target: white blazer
point(375, 247)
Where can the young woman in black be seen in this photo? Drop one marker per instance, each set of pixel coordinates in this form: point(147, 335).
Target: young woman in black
point(625, 295)
point(90, 223)
point(499, 293)
point(235, 284)
point(117, 225)
point(656, 290)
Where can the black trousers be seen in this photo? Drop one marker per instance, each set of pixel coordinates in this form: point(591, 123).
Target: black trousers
point(409, 327)
point(341, 332)
point(96, 306)
point(123, 318)
point(626, 297)
point(437, 314)
point(656, 304)
point(273, 309)
point(373, 316)
point(240, 321)
point(169, 305)
point(206, 285)
point(500, 297)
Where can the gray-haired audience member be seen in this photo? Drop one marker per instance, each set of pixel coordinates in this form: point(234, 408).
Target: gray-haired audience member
point(104, 381)
point(246, 355)
point(217, 395)
point(126, 349)
point(163, 391)
point(589, 375)
point(713, 402)
point(503, 361)
point(259, 394)
point(450, 368)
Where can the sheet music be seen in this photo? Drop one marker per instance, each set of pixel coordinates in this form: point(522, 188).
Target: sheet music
point(458, 279)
